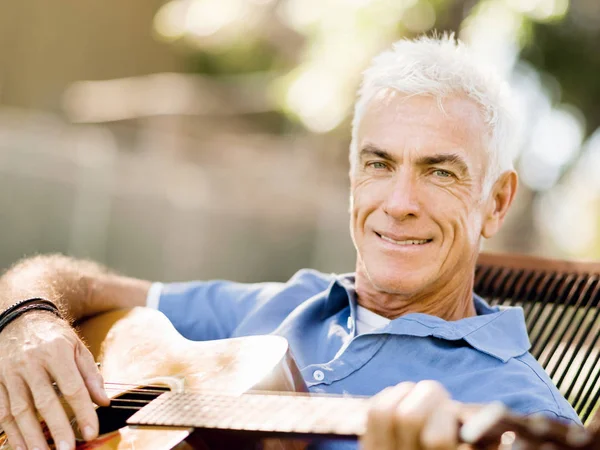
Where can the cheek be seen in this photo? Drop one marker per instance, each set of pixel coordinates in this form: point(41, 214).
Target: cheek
point(365, 198)
point(476, 222)
point(455, 213)
point(355, 212)
point(468, 227)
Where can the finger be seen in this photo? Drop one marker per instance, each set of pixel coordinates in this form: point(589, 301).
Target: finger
point(467, 410)
point(49, 407)
point(65, 373)
point(7, 422)
point(412, 413)
point(380, 434)
point(23, 411)
point(91, 375)
point(440, 431)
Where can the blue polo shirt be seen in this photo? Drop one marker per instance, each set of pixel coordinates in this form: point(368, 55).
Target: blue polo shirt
point(478, 359)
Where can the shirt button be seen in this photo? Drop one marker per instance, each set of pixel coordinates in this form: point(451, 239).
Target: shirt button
point(350, 322)
point(318, 375)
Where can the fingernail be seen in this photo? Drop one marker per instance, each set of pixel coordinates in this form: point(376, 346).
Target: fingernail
point(88, 433)
point(62, 445)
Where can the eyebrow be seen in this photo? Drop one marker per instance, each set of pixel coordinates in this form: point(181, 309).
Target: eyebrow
point(430, 160)
point(445, 158)
point(373, 150)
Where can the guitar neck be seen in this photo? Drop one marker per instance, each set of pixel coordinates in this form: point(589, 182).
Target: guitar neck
point(335, 417)
point(264, 414)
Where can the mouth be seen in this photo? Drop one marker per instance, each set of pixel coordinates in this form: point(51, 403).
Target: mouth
point(404, 241)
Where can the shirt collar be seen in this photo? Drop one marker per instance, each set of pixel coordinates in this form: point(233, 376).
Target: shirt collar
point(497, 331)
point(339, 294)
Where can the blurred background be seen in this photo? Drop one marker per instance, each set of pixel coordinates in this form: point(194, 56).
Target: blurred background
point(189, 139)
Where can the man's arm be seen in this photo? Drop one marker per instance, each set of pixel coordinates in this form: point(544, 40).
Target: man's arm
point(37, 348)
point(80, 288)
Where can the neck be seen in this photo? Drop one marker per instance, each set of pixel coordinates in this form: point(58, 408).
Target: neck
point(448, 299)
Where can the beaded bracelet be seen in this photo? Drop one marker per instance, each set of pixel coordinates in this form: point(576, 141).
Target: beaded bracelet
point(23, 306)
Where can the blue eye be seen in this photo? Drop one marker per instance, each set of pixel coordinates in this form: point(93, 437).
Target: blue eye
point(442, 173)
point(377, 165)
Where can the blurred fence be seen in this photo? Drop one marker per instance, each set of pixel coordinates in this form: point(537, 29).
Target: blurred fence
point(74, 189)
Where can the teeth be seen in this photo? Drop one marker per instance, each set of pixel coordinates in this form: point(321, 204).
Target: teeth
point(405, 242)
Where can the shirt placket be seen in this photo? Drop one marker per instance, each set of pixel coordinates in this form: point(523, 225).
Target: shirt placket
point(356, 354)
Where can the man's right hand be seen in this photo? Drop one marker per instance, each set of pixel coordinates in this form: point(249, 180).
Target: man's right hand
point(38, 349)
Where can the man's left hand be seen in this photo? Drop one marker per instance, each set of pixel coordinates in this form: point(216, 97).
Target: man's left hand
point(412, 416)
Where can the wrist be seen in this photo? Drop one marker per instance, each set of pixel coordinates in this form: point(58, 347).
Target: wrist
point(32, 321)
point(27, 306)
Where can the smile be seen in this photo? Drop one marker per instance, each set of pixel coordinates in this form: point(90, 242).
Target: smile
point(407, 242)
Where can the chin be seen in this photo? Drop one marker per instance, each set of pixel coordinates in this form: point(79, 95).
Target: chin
point(395, 281)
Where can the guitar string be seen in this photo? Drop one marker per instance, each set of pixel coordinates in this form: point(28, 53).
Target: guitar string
point(132, 404)
point(135, 408)
point(137, 388)
point(152, 393)
point(128, 401)
point(125, 403)
point(138, 391)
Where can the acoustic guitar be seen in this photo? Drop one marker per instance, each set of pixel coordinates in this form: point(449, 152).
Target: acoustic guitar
point(245, 393)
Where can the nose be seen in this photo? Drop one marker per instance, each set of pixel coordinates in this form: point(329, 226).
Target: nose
point(402, 199)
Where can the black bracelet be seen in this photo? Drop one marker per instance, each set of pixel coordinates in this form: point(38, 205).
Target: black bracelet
point(21, 303)
point(23, 306)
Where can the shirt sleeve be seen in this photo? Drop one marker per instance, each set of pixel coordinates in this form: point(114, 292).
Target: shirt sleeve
point(206, 310)
point(153, 296)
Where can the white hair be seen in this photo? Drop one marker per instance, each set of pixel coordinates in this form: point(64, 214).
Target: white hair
point(441, 66)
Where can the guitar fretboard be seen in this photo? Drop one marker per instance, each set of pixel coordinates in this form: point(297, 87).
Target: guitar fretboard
point(265, 414)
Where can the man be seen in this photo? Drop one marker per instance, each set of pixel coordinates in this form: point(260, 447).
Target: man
point(431, 174)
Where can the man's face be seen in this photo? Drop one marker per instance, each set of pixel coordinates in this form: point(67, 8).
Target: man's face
point(416, 191)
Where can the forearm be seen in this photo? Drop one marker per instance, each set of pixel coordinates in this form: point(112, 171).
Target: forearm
point(80, 288)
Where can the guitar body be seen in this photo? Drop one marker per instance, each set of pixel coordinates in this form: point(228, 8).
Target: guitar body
point(139, 347)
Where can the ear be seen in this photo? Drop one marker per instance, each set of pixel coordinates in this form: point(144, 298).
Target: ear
point(501, 197)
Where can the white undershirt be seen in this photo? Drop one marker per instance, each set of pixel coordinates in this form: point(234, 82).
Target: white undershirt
point(367, 320)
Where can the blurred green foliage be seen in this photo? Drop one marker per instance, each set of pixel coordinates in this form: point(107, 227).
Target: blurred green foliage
point(242, 57)
point(569, 52)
